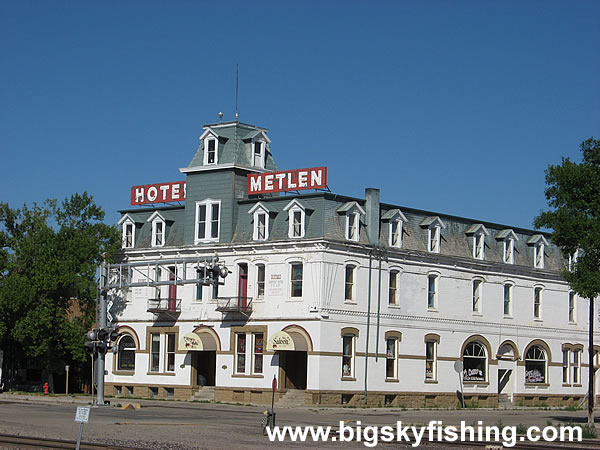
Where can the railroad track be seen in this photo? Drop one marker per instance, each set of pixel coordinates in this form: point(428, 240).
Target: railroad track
point(26, 442)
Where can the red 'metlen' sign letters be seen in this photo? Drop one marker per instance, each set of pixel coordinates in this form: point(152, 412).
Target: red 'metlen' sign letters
point(158, 193)
point(288, 180)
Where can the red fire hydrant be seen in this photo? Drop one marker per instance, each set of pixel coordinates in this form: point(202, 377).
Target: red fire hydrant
point(46, 388)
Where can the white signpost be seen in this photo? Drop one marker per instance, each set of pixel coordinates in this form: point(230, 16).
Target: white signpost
point(82, 415)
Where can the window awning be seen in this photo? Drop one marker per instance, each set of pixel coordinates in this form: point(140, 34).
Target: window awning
point(287, 341)
point(197, 342)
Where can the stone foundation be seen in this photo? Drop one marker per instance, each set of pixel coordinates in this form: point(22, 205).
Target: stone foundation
point(542, 401)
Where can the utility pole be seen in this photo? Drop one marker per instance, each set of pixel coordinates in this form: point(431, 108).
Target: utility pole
point(101, 326)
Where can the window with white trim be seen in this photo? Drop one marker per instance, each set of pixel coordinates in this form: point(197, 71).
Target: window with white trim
point(211, 148)
point(573, 259)
point(154, 352)
point(353, 226)
point(348, 350)
point(393, 287)
point(575, 363)
point(257, 353)
point(296, 280)
point(207, 220)
point(199, 286)
point(535, 365)
point(507, 299)
point(260, 216)
point(158, 232)
point(478, 245)
point(391, 358)
point(260, 281)
point(349, 283)
point(259, 153)
point(395, 233)
point(170, 348)
point(474, 362)
point(537, 303)
point(296, 219)
point(126, 353)
point(128, 234)
point(509, 251)
point(571, 307)
point(240, 352)
point(430, 360)
point(476, 304)
point(433, 239)
point(538, 255)
point(432, 281)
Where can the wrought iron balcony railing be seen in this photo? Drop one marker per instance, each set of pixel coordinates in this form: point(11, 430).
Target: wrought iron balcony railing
point(164, 305)
point(238, 304)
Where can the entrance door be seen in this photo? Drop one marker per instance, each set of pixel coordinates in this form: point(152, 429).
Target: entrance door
point(505, 382)
point(205, 368)
point(294, 365)
point(243, 286)
point(172, 290)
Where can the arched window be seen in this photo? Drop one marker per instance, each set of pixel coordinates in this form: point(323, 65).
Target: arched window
point(474, 362)
point(535, 365)
point(126, 354)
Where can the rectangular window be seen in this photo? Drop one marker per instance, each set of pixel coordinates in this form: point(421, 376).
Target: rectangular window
point(158, 234)
point(260, 280)
point(297, 224)
point(211, 151)
point(393, 288)
point(348, 356)
point(396, 233)
point(128, 235)
point(258, 159)
point(509, 248)
point(170, 352)
point(296, 279)
point(240, 350)
point(539, 256)
point(507, 298)
point(537, 302)
point(431, 291)
point(572, 307)
point(434, 240)
point(258, 353)
point(154, 352)
point(575, 366)
point(565, 367)
point(349, 290)
point(352, 231)
point(207, 221)
point(478, 244)
point(261, 227)
point(391, 356)
point(476, 295)
point(430, 360)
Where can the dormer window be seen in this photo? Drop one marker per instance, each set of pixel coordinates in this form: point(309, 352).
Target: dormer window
point(478, 232)
point(259, 153)
point(508, 238)
point(538, 242)
point(261, 222)
point(297, 218)
point(128, 231)
point(211, 147)
point(353, 212)
point(396, 222)
point(158, 229)
point(434, 226)
point(573, 259)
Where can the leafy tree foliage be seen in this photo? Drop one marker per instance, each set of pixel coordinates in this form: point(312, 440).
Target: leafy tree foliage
point(573, 193)
point(48, 260)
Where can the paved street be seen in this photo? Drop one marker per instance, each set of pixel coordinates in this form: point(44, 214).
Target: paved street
point(203, 425)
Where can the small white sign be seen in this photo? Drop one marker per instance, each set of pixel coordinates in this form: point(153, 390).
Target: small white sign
point(82, 415)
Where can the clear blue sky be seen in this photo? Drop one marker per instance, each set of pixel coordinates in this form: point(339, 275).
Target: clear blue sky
point(452, 106)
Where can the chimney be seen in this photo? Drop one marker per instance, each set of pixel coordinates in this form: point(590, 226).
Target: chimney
point(372, 212)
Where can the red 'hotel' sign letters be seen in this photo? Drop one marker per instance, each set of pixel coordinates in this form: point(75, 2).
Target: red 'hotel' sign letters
point(158, 193)
point(288, 180)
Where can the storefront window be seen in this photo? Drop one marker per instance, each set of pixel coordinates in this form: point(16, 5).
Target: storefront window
point(474, 362)
point(126, 355)
point(535, 365)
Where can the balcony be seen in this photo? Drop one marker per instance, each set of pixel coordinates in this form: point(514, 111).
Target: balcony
point(240, 305)
point(167, 306)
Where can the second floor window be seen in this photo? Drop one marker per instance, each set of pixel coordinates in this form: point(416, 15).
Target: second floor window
point(432, 291)
point(507, 299)
point(537, 303)
point(572, 307)
point(393, 288)
point(260, 280)
point(477, 296)
point(349, 286)
point(296, 280)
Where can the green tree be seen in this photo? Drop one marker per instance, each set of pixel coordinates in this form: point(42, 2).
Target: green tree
point(48, 260)
point(573, 194)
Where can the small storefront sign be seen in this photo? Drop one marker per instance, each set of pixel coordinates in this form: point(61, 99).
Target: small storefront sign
point(190, 342)
point(280, 341)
